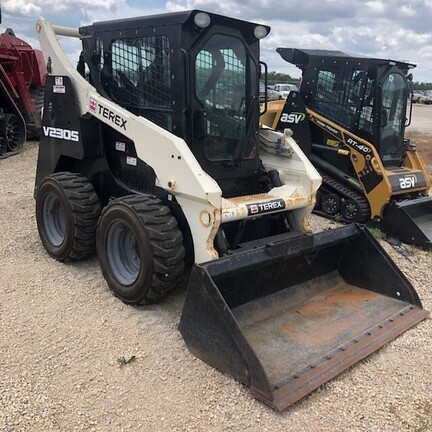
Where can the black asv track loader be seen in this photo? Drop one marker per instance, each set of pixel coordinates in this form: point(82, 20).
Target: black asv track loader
point(163, 135)
point(349, 118)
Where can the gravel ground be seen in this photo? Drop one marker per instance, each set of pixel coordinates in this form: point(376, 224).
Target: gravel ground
point(61, 333)
point(421, 119)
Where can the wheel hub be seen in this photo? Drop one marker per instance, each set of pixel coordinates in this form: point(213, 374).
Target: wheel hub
point(123, 253)
point(54, 219)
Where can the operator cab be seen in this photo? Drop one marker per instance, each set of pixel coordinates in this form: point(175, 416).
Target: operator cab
point(367, 97)
point(194, 74)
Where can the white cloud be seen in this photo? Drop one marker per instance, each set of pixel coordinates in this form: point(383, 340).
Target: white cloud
point(376, 6)
point(397, 29)
point(21, 7)
point(408, 11)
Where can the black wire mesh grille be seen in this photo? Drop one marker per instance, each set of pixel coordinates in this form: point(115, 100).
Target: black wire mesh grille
point(345, 94)
point(140, 77)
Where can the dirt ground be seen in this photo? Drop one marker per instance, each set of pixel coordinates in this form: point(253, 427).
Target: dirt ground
point(62, 337)
point(420, 132)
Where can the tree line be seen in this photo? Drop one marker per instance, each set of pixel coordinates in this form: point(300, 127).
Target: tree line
point(421, 85)
point(279, 77)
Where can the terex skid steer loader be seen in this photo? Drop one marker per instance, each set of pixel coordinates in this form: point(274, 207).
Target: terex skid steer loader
point(158, 126)
point(349, 118)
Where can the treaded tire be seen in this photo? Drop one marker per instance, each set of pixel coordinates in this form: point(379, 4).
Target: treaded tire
point(67, 211)
point(140, 249)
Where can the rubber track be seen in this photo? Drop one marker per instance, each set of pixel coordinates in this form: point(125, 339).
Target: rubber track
point(86, 210)
point(344, 191)
point(167, 241)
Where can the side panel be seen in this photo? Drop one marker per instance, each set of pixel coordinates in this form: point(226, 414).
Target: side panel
point(72, 143)
point(65, 136)
point(293, 116)
point(124, 164)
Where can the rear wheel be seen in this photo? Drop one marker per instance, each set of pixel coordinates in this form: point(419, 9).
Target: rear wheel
point(140, 248)
point(330, 204)
point(67, 211)
point(13, 131)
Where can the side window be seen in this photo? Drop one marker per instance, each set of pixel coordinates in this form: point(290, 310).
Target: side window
point(366, 114)
point(339, 92)
point(394, 97)
point(395, 93)
point(325, 85)
point(130, 58)
point(140, 76)
point(220, 87)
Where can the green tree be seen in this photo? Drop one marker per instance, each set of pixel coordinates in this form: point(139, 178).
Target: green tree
point(274, 77)
point(421, 85)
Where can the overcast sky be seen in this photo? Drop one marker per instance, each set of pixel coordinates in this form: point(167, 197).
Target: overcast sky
point(395, 29)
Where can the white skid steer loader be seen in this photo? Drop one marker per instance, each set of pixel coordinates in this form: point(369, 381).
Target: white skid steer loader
point(151, 153)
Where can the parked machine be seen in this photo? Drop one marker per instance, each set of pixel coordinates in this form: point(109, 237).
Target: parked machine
point(349, 118)
point(22, 77)
point(163, 135)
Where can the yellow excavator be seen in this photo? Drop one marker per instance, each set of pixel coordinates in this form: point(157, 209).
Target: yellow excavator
point(349, 117)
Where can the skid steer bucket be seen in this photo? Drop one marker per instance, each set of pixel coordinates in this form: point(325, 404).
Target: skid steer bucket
point(410, 221)
point(287, 316)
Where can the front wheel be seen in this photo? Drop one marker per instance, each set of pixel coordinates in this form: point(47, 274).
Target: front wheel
point(140, 249)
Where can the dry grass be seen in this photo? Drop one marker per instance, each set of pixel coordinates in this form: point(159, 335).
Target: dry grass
point(423, 143)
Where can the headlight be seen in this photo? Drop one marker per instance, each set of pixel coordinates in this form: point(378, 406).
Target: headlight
point(260, 32)
point(202, 19)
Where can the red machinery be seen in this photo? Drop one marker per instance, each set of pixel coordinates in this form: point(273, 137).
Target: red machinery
point(22, 77)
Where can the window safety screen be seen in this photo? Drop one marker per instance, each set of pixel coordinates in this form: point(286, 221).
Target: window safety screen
point(140, 76)
point(345, 94)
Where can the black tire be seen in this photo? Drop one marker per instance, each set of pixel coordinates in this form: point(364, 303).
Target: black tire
point(13, 131)
point(330, 204)
point(34, 130)
point(67, 212)
point(140, 249)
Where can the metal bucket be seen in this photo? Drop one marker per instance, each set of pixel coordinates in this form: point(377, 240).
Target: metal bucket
point(285, 317)
point(410, 221)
